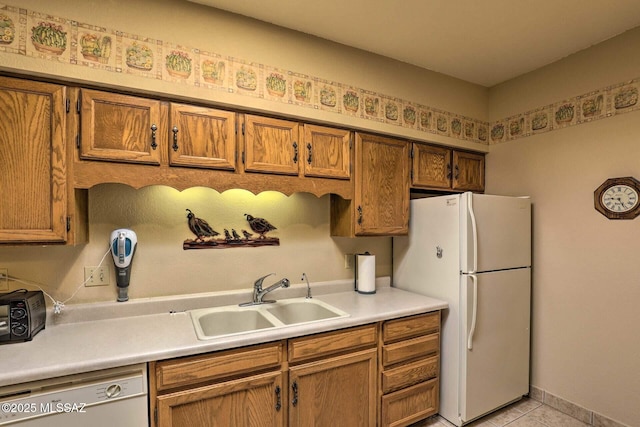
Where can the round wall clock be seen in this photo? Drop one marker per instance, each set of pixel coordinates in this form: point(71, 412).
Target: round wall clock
point(618, 198)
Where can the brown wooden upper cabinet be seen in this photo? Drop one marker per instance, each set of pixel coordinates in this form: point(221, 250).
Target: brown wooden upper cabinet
point(122, 128)
point(131, 129)
point(327, 152)
point(381, 198)
point(33, 175)
point(202, 137)
point(271, 145)
point(443, 168)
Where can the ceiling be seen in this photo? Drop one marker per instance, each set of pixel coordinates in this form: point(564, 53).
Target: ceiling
point(481, 41)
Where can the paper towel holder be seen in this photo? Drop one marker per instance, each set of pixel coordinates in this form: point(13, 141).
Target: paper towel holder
point(355, 277)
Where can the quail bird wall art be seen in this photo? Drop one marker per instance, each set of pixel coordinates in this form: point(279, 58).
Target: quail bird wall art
point(259, 225)
point(199, 227)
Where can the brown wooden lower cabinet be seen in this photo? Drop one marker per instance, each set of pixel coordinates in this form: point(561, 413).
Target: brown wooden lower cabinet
point(329, 379)
point(251, 401)
point(409, 368)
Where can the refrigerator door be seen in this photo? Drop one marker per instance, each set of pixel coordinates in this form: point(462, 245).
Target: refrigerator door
point(495, 232)
point(495, 371)
point(427, 261)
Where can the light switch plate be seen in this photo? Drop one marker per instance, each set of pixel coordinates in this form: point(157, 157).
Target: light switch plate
point(96, 276)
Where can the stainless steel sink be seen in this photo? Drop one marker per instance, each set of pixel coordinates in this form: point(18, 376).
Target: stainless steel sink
point(292, 312)
point(216, 322)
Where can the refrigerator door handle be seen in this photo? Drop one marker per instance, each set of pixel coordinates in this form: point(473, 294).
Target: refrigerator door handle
point(474, 233)
point(474, 312)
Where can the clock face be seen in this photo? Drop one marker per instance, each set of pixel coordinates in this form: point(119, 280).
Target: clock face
point(620, 198)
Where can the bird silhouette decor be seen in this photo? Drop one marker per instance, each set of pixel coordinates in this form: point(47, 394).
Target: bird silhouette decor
point(207, 238)
point(200, 227)
point(259, 225)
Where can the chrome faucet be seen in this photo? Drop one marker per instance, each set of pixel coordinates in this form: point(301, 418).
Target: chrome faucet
point(259, 293)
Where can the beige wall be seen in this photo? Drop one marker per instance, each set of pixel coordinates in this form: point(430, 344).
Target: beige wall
point(586, 282)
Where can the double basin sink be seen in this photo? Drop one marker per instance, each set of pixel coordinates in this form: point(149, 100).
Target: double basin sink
point(216, 322)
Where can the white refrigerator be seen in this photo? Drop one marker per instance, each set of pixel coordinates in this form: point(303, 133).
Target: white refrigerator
point(473, 251)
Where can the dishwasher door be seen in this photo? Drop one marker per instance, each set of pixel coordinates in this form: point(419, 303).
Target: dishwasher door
point(114, 397)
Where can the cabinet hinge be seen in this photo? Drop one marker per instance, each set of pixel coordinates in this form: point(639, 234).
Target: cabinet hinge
point(350, 142)
point(411, 174)
point(67, 105)
point(411, 153)
point(78, 141)
point(243, 157)
point(68, 223)
point(243, 128)
point(78, 106)
point(236, 128)
point(155, 415)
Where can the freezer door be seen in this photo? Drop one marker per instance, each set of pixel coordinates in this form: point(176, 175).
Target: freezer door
point(495, 371)
point(502, 230)
point(427, 261)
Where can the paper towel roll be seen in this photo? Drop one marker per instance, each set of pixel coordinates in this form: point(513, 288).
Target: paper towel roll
point(366, 273)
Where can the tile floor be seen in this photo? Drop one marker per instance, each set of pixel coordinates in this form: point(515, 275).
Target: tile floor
point(525, 413)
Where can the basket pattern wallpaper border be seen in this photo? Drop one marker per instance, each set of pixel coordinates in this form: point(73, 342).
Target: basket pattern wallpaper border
point(54, 38)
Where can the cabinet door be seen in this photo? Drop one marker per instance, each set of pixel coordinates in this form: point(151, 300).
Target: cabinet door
point(271, 145)
point(381, 186)
point(33, 185)
point(326, 152)
point(468, 171)
point(337, 391)
point(253, 401)
point(431, 167)
point(202, 137)
point(122, 128)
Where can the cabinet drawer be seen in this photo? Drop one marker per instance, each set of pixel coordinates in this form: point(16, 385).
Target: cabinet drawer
point(321, 345)
point(407, 327)
point(412, 404)
point(410, 349)
point(192, 370)
point(409, 374)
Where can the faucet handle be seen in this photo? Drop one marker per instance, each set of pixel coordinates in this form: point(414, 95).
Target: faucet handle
point(258, 283)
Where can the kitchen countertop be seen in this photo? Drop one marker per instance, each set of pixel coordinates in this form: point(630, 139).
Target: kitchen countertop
point(97, 336)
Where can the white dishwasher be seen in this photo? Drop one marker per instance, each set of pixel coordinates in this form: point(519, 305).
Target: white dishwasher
point(112, 397)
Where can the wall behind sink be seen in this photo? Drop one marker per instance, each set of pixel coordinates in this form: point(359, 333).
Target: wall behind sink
point(161, 267)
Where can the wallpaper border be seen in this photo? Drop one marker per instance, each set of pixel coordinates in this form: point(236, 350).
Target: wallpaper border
point(53, 38)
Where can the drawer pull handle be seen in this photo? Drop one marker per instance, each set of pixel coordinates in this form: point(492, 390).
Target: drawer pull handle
point(175, 138)
point(294, 388)
point(359, 215)
point(154, 128)
point(295, 152)
point(278, 398)
point(310, 154)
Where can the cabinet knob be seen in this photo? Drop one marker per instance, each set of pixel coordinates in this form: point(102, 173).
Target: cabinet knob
point(154, 128)
point(309, 158)
point(175, 138)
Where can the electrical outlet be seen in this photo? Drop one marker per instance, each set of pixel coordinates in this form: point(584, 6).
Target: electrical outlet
point(348, 261)
point(4, 279)
point(96, 276)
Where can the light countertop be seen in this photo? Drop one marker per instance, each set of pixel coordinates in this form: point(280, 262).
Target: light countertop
point(96, 336)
